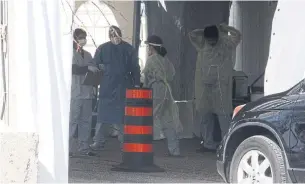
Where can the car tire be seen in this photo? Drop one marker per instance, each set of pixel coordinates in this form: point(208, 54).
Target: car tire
point(264, 147)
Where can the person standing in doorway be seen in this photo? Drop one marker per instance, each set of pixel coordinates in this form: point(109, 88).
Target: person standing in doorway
point(119, 63)
point(81, 95)
point(213, 78)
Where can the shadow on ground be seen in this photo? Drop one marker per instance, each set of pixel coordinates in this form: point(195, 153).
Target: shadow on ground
point(194, 167)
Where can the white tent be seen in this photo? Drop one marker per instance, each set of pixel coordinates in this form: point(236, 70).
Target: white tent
point(286, 64)
point(40, 55)
point(39, 74)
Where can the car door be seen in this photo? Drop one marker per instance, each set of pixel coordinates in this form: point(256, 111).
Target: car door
point(297, 137)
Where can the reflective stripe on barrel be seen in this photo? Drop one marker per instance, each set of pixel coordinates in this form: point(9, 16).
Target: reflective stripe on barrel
point(138, 148)
point(138, 111)
point(138, 130)
point(138, 94)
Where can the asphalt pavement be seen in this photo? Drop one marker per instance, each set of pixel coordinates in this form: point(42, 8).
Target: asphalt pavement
point(193, 168)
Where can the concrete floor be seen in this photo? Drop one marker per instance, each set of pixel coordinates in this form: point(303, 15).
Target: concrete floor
point(195, 167)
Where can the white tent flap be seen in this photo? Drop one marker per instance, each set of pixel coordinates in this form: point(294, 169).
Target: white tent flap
point(162, 2)
point(40, 53)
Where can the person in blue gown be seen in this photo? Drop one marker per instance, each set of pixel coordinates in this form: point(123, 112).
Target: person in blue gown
point(119, 62)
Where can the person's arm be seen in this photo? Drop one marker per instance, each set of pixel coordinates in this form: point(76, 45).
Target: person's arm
point(171, 72)
point(194, 38)
point(93, 65)
point(235, 35)
point(135, 68)
point(97, 58)
point(149, 76)
point(79, 70)
point(76, 69)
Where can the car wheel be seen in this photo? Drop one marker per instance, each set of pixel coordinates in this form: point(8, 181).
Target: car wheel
point(258, 159)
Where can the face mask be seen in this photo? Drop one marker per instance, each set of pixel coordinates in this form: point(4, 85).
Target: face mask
point(82, 42)
point(116, 41)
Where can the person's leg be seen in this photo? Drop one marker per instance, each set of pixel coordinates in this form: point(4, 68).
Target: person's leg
point(99, 139)
point(224, 105)
point(114, 131)
point(224, 123)
point(158, 134)
point(217, 131)
point(101, 130)
point(84, 127)
point(75, 109)
point(206, 118)
point(120, 130)
point(208, 135)
point(208, 144)
point(172, 139)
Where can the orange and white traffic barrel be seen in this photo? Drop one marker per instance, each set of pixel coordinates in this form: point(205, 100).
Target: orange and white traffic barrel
point(138, 153)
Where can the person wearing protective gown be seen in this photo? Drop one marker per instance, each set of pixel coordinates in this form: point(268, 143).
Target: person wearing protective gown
point(119, 63)
point(81, 96)
point(213, 78)
point(158, 72)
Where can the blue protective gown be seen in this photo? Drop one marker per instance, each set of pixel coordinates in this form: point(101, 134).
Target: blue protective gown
point(121, 71)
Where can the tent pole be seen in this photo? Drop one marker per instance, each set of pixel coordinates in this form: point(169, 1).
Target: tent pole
point(136, 25)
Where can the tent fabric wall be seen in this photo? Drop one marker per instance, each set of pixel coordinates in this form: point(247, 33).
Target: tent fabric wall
point(254, 20)
point(3, 66)
point(164, 25)
point(173, 27)
point(286, 58)
point(198, 15)
point(40, 55)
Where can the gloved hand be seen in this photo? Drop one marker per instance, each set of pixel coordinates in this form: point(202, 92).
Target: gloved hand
point(196, 32)
point(223, 24)
point(93, 69)
point(101, 67)
point(223, 27)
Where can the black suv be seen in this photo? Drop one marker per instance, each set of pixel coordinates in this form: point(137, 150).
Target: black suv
point(266, 140)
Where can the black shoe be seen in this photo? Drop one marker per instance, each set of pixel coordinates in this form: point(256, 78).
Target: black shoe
point(89, 153)
point(96, 147)
point(205, 150)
